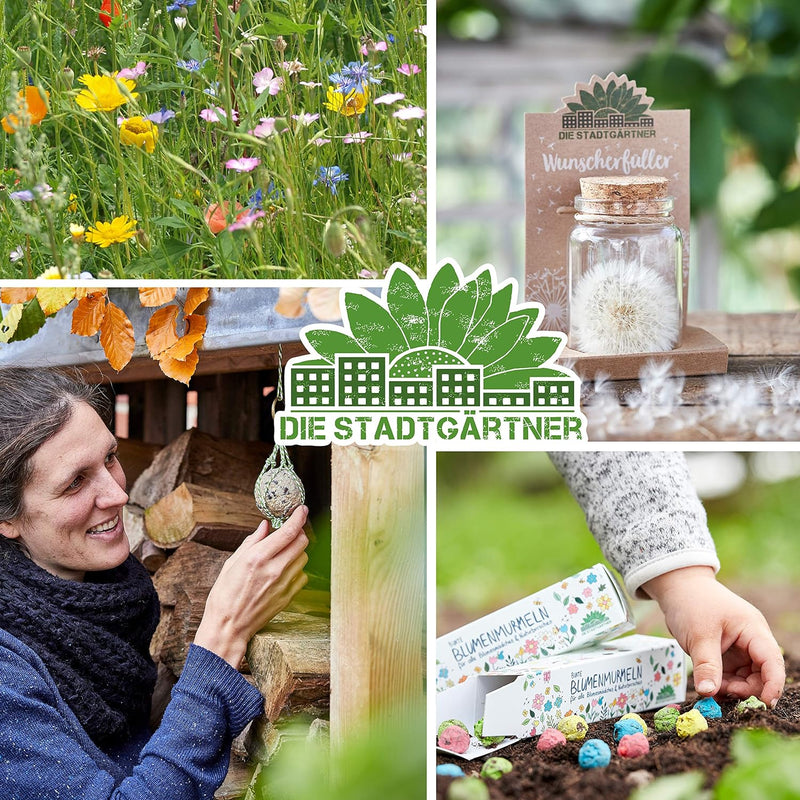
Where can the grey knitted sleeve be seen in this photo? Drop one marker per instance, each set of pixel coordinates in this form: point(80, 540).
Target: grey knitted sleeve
point(642, 509)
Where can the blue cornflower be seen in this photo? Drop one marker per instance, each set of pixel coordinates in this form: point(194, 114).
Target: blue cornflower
point(256, 199)
point(354, 77)
point(27, 196)
point(191, 64)
point(330, 176)
point(390, 37)
point(161, 117)
point(181, 4)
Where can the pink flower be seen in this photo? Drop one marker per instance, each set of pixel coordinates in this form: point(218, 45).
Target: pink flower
point(657, 677)
point(305, 119)
point(217, 114)
point(572, 608)
point(546, 676)
point(354, 138)
point(265, 81)
point(369, 274)
point(401, 156)
point(408, 69)
point(319, 141)
point(669, 665)
point(410, 112)
point(134, 72)
point(243, 164)
point(531, 646)
point(246, 220)
point(387, 99)
point(538, 701)
point(383, 46)
point(587, 592)
point(492, 659)
point(266, 127)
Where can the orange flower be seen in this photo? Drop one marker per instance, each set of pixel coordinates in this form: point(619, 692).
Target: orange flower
point(37, 108)
point(106, 12)
point(216, 214)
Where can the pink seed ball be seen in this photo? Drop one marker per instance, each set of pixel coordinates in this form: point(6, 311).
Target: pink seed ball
point(551, 737)
point(633, 745)
point(454, 739)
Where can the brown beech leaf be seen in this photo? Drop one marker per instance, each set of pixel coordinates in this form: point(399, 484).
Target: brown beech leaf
point(116, 336)
point(290, 301)
point(195, 330)
point(88, 314)
point(323, 303)
point(195, 297)
point(85, 291)
point(162, 331)
point(13, 294)
point(52, 300)
point(180, 370)
point(151, 297)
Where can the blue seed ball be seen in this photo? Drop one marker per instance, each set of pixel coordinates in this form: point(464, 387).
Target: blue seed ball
point(626, 727)
point(595, 753)
point(709, 708)
point(450, 770)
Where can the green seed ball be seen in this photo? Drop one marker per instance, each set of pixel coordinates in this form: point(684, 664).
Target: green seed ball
point(665, 718)
point(448, 722)
point(495, 767)
point(467, 789)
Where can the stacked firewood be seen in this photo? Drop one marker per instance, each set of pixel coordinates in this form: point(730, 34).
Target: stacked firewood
point(188, 510)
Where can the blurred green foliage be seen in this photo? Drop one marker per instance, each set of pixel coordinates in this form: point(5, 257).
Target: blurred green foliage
point(736, 65)
point(508, 526)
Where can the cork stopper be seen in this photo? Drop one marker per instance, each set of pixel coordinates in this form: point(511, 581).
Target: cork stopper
point(624, 195)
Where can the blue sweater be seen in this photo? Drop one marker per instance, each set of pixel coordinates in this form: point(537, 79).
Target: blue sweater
point(45, 754)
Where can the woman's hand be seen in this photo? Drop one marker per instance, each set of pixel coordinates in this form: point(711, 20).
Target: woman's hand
point(257, 582)
point(730, 643)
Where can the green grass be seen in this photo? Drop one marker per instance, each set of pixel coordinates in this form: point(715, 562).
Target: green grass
point(374, 218)
point(507, 526)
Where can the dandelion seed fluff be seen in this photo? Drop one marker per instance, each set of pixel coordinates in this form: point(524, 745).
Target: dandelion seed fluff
point(621, 307)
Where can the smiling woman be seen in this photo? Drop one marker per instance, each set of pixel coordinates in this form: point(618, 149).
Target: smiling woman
point(77, 612)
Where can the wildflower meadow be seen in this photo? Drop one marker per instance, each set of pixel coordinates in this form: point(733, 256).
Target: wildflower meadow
point(197, 139)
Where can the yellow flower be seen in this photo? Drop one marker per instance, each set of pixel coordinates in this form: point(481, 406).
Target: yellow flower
point(73, 203)
point(103, 93)
point(51, 274)
point(139, 132)
point(120, 229)
point(350, 104)
point(77, 233)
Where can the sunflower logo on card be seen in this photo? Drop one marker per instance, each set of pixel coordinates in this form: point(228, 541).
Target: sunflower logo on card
point(437, 362)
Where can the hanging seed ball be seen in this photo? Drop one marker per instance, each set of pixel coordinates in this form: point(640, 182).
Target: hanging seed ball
point(454, 739)
point(645, 729)
point(751, 704)
point(709, 708)
point(449, 770)
point(633, 745)
point(448, 722)
point(495, 767)
point(467, 789)
point(278, 492)
point(486, 741)
point(550, 738)
point(664, 719)
point(594, 753)
point(573, 727)
point(626, 727)
point(690, 724)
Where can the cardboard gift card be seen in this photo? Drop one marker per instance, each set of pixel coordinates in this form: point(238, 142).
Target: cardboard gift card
point(584, 608)
point(606, 128)
point(632, 674)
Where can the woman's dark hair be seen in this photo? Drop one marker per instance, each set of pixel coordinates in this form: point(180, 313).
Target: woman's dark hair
point(35, 404)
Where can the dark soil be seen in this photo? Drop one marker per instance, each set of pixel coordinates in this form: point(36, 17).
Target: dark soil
point(555, 773)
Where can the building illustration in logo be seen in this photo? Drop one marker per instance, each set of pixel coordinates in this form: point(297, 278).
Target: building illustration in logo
point(460, 356)
point(613, 102)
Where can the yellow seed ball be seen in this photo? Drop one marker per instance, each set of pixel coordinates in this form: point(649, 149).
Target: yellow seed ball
point(573, 727)
point(645, 729)
point(690, 723)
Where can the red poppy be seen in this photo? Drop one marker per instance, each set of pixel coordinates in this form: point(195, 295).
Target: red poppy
point(106, 12)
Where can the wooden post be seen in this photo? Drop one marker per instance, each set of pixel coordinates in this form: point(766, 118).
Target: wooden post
point(377, 587)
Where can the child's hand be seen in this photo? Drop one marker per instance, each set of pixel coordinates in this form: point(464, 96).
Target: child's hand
point(729, 641)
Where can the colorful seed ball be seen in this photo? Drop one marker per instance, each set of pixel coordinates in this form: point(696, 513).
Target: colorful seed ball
point(495, 767)
point(449, 770)
point(448, 722)
point(486, 741)
point(454, 738)
point(551, 737)
point(594, 753)
point(467, 789)
point(645, 730)
point(633, 745)
point(573, 727)
point(751, 704)
point(664, 719)
point(709, 708)
point(626, 727)
point(690, 724)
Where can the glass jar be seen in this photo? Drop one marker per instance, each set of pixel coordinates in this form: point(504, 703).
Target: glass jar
point(625, 267)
